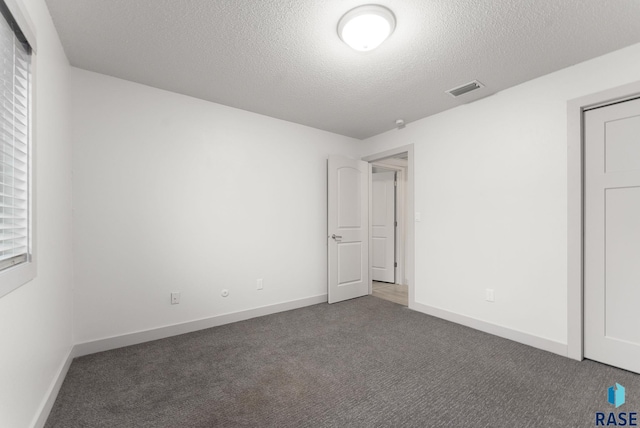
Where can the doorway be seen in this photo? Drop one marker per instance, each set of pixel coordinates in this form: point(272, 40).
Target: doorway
point(400, 162)
point(388, 220)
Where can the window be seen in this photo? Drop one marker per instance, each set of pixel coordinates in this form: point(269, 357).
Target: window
point(15, 153)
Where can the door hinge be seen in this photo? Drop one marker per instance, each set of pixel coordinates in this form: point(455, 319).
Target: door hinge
point(395, 183)
point(395, 264)
point(396, 224)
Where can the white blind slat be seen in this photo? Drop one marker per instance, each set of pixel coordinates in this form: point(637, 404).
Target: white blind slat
point(12, 148)
point(13, 181)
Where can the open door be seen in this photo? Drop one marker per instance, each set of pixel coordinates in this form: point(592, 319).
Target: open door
point(347, 228)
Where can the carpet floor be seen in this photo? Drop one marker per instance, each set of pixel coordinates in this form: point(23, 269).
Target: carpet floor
point(360, 363)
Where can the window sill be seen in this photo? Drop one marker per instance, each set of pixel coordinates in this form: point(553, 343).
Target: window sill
point(14, 277)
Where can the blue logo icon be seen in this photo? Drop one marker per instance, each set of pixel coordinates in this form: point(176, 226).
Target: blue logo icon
point(616, 395)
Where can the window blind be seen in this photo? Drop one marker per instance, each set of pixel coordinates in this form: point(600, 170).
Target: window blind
point(15, 61)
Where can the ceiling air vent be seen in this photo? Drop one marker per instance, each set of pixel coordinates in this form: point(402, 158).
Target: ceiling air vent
point(466, 88)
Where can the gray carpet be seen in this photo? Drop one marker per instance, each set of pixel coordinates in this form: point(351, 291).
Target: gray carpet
point(361, 363)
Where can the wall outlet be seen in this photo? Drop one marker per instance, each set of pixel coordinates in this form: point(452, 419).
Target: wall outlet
point(490, 296)
point(259, 283)
point(225, 293)
point(175, 298)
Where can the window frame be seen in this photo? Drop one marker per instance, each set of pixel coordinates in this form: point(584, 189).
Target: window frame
point(13, 277)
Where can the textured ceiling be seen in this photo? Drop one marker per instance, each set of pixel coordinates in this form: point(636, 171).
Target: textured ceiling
point(283, 58)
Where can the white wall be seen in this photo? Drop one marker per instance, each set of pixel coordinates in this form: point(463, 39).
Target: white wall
point(491, 185)
point(35, 319)
point(173, 193)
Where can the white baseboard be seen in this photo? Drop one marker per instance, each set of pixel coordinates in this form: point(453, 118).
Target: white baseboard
point(496, 330)
point(52, 393)
point(115, 342)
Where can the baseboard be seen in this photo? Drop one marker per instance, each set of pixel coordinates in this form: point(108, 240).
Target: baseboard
point(52, 393)
point(495, 329)
point(115, 342)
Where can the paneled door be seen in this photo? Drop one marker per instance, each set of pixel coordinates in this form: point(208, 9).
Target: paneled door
point(612, 235)
point(383, 227)
point(347, 228)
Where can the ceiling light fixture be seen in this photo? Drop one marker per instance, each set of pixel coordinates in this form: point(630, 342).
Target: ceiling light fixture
point(366, 27)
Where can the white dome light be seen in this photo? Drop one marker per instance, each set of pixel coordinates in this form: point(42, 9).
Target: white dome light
point(366, 27)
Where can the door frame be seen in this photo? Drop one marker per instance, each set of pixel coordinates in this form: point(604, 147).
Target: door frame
point(575, 206)
point(410, 210)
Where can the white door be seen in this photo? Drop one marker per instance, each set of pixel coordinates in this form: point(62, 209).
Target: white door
point(612, 235)
point(383, 239)
point(348, 228)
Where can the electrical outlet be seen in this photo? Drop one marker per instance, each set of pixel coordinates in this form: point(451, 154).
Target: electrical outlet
point(175, 298)
point(259, 283)
point(490, 295)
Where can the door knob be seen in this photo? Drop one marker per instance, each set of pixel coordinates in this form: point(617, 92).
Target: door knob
point(336, 237)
